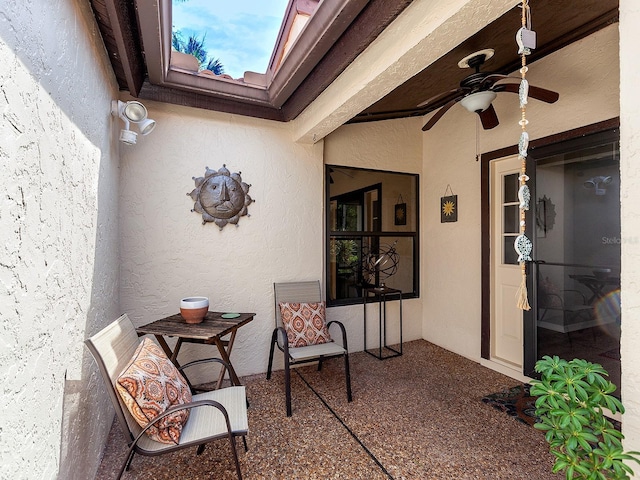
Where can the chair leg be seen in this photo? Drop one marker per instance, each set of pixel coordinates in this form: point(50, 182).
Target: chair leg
point(232, 440)
point(320, 363)
point(347, 375)
point(287, 383)
point(200, 449)
point(244, 440)
point(127, 464)
point(274, 339)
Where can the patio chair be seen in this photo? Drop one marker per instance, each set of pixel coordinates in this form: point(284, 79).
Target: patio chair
point(575, 313)
point(304, 292)
point(212, 415)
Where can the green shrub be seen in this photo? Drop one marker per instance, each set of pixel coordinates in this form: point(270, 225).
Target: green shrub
point(571, 397)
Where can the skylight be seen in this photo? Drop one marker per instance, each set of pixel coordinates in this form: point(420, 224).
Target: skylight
point(240, 34)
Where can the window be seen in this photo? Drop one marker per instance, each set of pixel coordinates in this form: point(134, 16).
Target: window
point(372, 232)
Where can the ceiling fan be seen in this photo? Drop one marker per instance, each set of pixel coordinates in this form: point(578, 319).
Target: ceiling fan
point(478, 90)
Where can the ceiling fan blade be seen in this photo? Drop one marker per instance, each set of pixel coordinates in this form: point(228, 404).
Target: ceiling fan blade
point(438, 115)
point(538, 93)
point(440, 96)
point(489, 118)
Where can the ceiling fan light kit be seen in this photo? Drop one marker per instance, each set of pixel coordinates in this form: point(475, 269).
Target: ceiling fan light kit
point(478, 90)
point(479, 101)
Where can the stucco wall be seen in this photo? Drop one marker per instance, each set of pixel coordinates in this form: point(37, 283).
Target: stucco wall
point(168, 254)
point(630, 199)
point(392, 145)
point(58, 237)
point(586, 76)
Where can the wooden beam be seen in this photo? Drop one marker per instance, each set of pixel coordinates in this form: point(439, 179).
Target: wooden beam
point(124, 31)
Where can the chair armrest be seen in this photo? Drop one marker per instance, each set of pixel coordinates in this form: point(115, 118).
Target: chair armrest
point(344, 333)
point(547, 300)
point(579, 294)
point(186, 406)
point(283, 341)
point(207, 360)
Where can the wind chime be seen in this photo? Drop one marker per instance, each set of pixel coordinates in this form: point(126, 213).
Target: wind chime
point(525, 38)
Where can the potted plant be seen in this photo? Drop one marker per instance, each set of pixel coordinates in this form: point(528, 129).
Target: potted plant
point(570, 406)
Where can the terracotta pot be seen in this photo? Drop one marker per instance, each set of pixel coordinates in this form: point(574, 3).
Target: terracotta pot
point(194, 309)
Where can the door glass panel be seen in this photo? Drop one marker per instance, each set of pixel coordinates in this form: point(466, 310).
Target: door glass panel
point(511, 188)
point(577, 248)
point(511, 219)
point(509, 256)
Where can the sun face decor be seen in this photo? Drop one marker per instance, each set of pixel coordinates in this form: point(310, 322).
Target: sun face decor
point(220, 197)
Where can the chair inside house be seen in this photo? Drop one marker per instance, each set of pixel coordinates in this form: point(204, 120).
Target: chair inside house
point(572, 311)
point(302, 334)
point(130, 367)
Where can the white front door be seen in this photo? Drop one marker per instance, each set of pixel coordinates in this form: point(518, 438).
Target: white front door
point(506, 319)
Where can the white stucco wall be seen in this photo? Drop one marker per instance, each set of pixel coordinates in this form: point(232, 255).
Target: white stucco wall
point(393, 145)
point(586, 76)
point(630, 199)
point(58, 237)
point(168, 254)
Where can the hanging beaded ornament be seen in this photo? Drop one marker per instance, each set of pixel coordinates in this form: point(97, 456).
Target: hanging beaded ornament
point(522, 244)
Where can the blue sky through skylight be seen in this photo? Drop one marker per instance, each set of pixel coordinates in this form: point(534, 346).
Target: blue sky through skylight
point(240, 33)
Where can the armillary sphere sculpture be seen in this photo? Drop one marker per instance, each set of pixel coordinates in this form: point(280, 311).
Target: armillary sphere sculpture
point(382, 261)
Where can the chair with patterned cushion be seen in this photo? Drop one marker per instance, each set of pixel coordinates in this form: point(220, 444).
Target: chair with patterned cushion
point(302, 333)
point(129, 367)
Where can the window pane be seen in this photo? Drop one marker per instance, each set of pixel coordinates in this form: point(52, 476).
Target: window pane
point(511, 219)
point(373, 230)
point(511, 188)
point(509, 255)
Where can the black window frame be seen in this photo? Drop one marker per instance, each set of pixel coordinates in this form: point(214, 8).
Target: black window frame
point(380, 236)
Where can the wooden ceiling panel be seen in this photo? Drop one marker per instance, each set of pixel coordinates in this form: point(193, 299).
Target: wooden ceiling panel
point(556, 24)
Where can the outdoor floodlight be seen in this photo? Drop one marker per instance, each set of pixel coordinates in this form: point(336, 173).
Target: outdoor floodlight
point(132, 112)
point(598, 183)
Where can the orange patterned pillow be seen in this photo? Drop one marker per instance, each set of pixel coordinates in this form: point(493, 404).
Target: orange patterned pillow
point(151, 384)
point(305, 323)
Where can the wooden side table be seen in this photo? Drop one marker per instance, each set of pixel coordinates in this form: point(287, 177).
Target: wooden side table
point(381, 293)
point(211, 331)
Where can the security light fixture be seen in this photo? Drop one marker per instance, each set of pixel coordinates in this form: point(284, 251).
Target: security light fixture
point(598, 184)
point(132, 112)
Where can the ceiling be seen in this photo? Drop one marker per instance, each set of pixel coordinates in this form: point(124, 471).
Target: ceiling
point(348, 30)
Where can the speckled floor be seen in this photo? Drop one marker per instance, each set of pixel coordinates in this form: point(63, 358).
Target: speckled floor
point(420, 416)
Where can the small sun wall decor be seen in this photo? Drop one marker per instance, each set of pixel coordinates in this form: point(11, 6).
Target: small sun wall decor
point(220, 197)
point(448, 207)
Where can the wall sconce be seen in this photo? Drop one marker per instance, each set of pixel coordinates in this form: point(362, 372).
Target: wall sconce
point(595, 182)
point(132, 112)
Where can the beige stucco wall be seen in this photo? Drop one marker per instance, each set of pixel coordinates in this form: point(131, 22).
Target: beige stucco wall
point(58, 238)
point(630, 198)
point(392, 145)
point(586, 76)
point(168, 254)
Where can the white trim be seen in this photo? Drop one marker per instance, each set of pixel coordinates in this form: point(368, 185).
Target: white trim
point(505, 370)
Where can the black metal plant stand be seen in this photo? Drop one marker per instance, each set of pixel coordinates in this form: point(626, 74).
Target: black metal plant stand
point(381, 293)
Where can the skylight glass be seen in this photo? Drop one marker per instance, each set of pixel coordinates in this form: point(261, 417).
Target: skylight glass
point(239, 34)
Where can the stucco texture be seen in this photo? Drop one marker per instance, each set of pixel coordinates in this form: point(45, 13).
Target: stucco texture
point(58, 238)
point(167, 252)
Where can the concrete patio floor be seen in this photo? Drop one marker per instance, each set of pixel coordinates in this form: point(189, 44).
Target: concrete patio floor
point(418, 416)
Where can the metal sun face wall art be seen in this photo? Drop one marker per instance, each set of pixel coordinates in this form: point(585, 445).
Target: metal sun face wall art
point(220, 197)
